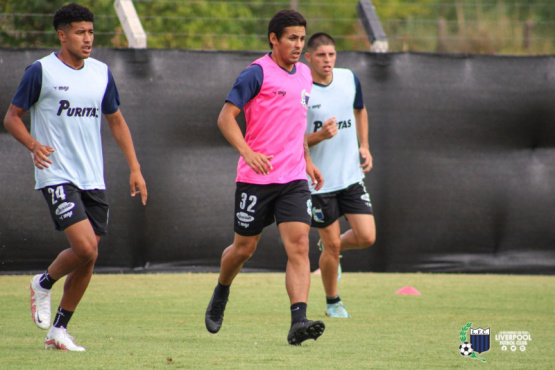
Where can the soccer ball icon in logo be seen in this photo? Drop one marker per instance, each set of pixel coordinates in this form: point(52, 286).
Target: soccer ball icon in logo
point(466, 349)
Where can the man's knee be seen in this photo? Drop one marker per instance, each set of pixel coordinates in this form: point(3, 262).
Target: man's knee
point(85, 247)
point(300, 244)
point(245, 249)
point(366, 240)
point(361, 239)
point(297, 247)
point(83, 241)
point(88, 251)
point(245, 253)
point(333, 246)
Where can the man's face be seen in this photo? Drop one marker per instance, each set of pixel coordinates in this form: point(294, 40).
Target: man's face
point(77, 39)
point(290, 45)
point(322, 60)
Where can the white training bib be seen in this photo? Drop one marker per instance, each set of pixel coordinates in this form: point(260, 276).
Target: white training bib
point(67, 117)
point(337, 158)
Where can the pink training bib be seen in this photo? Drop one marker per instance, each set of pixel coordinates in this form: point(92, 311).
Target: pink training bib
point(276, 123)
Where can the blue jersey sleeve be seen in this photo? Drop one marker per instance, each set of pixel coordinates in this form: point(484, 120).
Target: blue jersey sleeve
point(359, 102)
point(110, 102)
point(28, 92)
point(246, 87)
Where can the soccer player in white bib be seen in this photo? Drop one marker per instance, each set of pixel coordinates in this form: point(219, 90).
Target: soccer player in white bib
point(67, 93)
point(337, 134)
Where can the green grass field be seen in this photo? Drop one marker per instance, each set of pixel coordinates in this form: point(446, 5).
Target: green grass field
point(157, 321)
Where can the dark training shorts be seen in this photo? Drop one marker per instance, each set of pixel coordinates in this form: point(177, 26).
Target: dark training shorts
point(328, 207)
point(69, 205)
point(257, 206)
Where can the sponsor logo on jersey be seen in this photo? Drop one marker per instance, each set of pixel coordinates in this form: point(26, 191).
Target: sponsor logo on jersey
point(65, 108)
point(244, 217)
point(340, 124)
point(64, 207)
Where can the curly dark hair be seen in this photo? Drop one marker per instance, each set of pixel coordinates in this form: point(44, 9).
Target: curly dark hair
point(70, 13)
point(284, 18)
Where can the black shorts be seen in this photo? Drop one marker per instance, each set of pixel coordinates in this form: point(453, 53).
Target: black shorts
point(328, 207)
point(69, 205)
point(256, 206)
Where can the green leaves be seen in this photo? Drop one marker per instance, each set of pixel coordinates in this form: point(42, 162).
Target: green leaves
point(475, 356)
point(492, 27)
point(463, 331)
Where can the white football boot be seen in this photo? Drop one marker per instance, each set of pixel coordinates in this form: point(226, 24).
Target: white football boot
point(40, 303)
point(58, 338)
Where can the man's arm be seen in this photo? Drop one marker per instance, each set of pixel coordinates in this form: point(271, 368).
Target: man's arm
point(361, 118)
point(227, 122)
point(122, 135)
point(14, 125)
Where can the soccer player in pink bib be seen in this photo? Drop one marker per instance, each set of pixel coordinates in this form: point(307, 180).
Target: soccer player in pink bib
point(272, 171)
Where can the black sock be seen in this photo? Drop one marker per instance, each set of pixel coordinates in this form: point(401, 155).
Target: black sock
point(221, 291)
point(333, 299)
point(62, 318)
point(46, 281)
point(298, 312)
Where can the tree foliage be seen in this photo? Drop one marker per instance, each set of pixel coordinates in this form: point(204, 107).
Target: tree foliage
point(469, 26)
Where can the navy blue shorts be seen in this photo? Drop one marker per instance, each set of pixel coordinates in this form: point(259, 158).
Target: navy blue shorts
point(69, 205)
point(328, 207)
point(257, 206)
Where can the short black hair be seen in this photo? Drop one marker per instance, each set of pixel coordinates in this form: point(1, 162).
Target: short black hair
point(284, 18)
point(70, 13)
point(319, 39)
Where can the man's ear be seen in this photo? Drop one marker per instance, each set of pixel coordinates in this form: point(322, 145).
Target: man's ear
point(273, 39)
point(61, 35)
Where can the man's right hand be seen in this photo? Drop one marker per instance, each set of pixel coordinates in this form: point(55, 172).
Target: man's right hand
point(329, 129)
point(259, 162)
point(40, 155)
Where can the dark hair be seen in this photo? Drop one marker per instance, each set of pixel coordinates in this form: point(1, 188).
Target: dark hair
point(70, 13)
point(284, 18)
point(319, 39)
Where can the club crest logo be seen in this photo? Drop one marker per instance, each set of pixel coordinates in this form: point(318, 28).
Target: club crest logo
point(478, 341)
point(304, 98)
point(317, 214)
